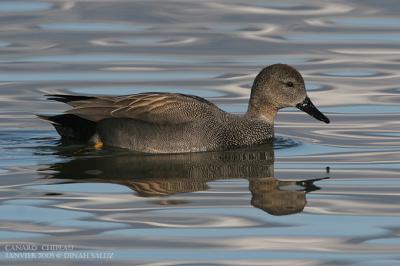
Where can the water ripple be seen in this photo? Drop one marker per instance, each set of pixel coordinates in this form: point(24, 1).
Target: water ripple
point(249, 207)
point(294, 9)
point(146, 41)
point(23, 6)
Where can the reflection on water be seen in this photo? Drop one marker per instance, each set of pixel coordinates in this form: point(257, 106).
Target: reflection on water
point(163, 175)
point(205, 209)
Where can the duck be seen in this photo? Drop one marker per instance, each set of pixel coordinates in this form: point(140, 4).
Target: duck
point(159, 122)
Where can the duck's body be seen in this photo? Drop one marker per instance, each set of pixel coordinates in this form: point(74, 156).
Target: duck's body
point(222, 132)
point(176, 123)
point(160, 123)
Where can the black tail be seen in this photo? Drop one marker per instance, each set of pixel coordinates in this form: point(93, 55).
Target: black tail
point(70, 126)
point(65, 98)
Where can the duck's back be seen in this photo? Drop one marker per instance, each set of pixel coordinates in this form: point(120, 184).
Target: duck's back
point(154, 107)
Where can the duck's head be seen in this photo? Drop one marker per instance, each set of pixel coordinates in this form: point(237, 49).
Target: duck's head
point(279, 86)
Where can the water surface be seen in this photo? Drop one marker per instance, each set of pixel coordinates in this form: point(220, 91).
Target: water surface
point(246, 207)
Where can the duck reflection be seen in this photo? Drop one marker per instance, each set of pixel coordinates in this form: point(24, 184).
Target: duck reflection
point(163, 175)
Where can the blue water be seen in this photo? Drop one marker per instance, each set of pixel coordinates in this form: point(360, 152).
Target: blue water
point(237, 208)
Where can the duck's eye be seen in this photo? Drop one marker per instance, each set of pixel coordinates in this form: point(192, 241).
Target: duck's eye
point(289, 84)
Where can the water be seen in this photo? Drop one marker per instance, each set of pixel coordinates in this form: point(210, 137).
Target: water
point(245, 207)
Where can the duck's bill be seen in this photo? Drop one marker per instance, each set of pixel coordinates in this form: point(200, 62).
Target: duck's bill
point(308, 107)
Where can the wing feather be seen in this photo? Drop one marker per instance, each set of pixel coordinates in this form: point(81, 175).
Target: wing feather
point(170, 108)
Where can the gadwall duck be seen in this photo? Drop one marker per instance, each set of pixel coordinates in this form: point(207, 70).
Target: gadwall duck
point(158, 122)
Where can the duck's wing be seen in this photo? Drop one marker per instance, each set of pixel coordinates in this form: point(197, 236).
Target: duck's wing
point(169, 108)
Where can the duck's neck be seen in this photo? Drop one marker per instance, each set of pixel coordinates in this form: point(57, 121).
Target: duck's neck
point(267, 114)
point(264, 111)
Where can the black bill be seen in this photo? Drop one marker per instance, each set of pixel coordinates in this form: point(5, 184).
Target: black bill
point(308, 107)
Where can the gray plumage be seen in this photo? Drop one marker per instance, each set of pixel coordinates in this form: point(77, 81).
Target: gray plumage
point(174, 123)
